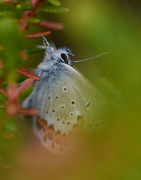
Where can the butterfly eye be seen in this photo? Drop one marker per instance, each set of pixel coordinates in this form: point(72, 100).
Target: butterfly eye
point(64, 57)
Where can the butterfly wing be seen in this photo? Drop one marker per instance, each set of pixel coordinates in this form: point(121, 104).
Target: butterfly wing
point(92, 105)
point(80, 99)
point(66, 99)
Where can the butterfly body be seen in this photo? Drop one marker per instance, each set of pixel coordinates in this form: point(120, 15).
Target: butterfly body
point(65, 98)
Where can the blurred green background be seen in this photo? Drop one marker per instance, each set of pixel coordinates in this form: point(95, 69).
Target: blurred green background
point(91, 27)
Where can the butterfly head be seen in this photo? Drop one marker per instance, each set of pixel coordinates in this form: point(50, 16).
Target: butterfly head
point(61, 55)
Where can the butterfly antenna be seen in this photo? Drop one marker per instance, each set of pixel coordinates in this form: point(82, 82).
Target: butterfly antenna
point(46, 44)
point(93, 57)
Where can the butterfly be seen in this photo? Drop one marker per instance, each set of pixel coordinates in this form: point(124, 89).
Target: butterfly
point(66, 99)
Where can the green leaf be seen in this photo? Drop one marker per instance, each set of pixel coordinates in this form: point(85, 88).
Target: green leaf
point(33, 20)
point(2, 72)
point(54, 2)
point(12, 42)
point(2, 113)
point(24, 7)
point(33, 50)
point(10, 14)
point(7, 13)
point(10, 125)
point(54, 10)
point(3, 97)
point(12, 76)
point(3, 107)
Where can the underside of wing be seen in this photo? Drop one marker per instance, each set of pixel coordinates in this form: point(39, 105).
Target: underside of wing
point(67, 101)
point(65, 97)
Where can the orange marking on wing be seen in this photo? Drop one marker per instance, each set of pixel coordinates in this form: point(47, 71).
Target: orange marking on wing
point(48, 132)
point(57, 140)
point(56, 137)
point(42, 123)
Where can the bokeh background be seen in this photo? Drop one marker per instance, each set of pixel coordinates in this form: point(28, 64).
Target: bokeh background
point(91, 27)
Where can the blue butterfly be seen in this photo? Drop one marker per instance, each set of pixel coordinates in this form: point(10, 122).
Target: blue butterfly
point(65, 98)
